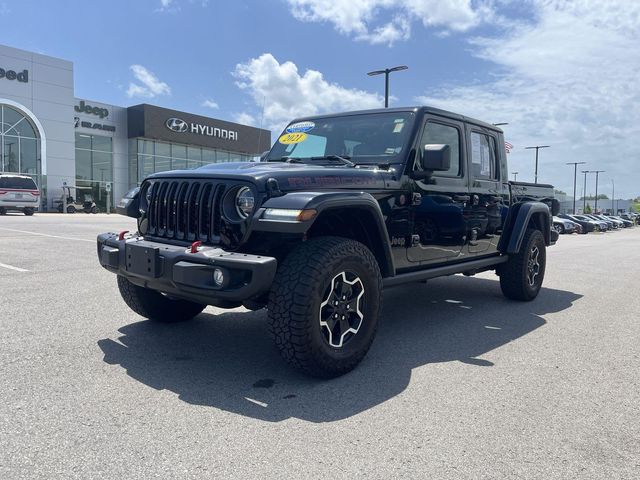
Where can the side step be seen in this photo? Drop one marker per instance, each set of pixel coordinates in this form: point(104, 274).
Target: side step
point(429, 273)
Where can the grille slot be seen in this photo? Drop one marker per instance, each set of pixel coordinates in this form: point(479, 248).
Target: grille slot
point(187, 210)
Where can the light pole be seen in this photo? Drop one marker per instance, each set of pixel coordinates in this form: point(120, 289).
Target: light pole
point(613, 197)
point(515, 175)
point(597, 172)
point(584, 191)
point(386, 72)
point(575, 174)
point(537, 147)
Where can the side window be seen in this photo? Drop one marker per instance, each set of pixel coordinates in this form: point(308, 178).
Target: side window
point(437, 133)
point(484, 161)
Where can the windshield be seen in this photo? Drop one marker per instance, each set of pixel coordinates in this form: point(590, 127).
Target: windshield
point(366, 138)
point(18, 183)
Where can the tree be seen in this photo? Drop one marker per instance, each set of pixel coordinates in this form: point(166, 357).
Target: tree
point(601, 196)
point(587, 209)
point(560, 192)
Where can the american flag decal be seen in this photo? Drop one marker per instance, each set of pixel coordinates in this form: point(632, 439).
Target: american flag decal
point(508, 146)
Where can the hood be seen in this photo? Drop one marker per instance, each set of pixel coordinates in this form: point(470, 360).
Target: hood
point(293, 176)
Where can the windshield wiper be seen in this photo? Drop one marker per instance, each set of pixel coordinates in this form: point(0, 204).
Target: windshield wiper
point(344, 159)
point(286, 159)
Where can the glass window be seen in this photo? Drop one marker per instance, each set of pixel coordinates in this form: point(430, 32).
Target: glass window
point(483, 157)
point(10, 152)
point(145, 146)
point(178, 151)
point(178, 163)
point(162, 164)
point(83, 141)
point(208, 156)
point(163, 149)
point(146, 165)
point(222, 156)
point(29, 155)
point(133, 170)
point(102, 169)
point(83, 164)
point(235, 157)
point(102, 144)
point(437, 133)
point(21, 183)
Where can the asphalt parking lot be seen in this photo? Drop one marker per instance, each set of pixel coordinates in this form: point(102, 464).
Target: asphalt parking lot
point(460, 382)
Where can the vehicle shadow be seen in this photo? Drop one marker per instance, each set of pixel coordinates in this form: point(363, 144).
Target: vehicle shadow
point(228, 361)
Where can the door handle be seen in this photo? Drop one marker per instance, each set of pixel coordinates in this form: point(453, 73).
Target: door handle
point(461, 198)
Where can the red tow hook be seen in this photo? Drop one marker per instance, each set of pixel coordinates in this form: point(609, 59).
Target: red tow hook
point(122, 234)
point(195, 245)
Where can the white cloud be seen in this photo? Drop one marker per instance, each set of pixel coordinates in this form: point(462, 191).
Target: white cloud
point(569, 80)
point(150, 86)
point(287, 94)
point(210, 104)
point(245, 119)
point(168, 6)
point(388, 21)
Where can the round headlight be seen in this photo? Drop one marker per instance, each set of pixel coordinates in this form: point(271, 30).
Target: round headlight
point(244, 202)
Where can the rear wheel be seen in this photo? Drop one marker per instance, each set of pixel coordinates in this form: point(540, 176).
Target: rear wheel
point(3, 211)
point(28, 211)
point(522, 275)
point(156, 306)
point(324, 306)
point(94, 209)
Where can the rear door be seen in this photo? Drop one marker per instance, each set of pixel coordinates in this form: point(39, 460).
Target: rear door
point(489, 192)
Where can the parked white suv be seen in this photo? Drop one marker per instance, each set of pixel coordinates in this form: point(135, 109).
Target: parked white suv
point(18, 192)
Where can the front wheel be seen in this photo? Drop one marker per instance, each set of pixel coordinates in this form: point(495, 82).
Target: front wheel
point(71, 209)
point(156, 306)
point(324, 306)
point(522, 275)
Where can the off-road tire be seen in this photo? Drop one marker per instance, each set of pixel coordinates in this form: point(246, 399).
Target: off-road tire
point(298, 291)
point(156, 306)
point(515, 273)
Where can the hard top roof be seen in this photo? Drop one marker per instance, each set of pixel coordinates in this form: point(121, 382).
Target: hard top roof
point(415, 109)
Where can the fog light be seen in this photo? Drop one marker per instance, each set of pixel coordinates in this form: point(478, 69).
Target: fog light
point(218, 277)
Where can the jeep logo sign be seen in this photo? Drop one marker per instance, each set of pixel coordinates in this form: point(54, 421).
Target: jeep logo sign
point(22, 76)
point(84, 108)
point(177, 125)
point(180, 126)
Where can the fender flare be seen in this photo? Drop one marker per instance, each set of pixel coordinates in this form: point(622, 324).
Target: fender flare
point(516, 225)
point(322, 202)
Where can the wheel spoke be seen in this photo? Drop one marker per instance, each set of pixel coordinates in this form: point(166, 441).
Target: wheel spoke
point(341, 311)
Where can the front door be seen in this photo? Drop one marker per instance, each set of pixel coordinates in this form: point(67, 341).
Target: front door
point(488, 191)
point(437, 213)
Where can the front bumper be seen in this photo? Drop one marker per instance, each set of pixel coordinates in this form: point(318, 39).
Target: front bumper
point(175, 271)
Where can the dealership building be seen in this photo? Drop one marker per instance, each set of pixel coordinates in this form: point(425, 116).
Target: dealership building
point(58, 139)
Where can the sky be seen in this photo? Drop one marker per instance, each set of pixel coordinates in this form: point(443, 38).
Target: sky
point(560, 73)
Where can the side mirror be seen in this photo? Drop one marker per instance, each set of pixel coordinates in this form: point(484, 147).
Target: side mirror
point(435, 158)
point(129, 205)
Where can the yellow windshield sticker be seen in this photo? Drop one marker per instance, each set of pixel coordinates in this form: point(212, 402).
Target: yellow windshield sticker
point(289, 138)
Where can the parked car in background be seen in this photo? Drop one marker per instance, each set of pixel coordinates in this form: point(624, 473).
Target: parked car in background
point(587, 224)
point(613, 225)
point(624, 223)
point(604, 226)
point(18, 193)
point(563, 225)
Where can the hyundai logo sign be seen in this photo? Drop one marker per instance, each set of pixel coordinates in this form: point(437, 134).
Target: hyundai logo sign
point(180, 126)
point(177, 125)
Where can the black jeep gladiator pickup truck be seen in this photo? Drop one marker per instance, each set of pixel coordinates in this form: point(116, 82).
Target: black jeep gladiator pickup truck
point(341, 207)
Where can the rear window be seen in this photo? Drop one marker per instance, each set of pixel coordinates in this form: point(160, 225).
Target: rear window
point(19, 183)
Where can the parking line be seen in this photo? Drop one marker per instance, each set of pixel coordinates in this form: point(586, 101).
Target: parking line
point(11, 267)
point(47, 235)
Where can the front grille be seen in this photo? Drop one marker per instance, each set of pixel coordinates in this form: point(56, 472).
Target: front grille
point(186, 210)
